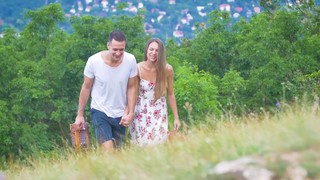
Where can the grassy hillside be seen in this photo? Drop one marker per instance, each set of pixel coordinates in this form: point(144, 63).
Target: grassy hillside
point(284, 141)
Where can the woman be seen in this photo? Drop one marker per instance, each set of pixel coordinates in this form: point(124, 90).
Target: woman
point(150, 123)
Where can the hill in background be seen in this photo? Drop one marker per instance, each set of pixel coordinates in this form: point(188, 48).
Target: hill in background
point(165, 18)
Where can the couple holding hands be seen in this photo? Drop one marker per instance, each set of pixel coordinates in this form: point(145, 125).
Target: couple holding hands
point(126, 94)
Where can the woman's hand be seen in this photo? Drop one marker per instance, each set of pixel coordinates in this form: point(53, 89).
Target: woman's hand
point(176, 124)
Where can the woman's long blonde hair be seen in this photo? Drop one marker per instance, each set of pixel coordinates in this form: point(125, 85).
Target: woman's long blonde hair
point(161, 63)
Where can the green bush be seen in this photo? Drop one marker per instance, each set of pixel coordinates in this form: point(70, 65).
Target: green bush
point(196, 93)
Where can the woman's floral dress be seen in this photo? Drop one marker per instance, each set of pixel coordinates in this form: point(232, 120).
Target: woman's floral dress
point(150, 124)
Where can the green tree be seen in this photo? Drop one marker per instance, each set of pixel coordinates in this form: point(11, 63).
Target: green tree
point(10, 131)
point(41, 29)
point(198, 88)
point(269, 54)
point(90, 36)
point(31, 91)
point(212, 49)
point(232, 88)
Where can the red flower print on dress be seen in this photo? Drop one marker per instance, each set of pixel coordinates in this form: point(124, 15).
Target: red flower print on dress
point(144, 110)
point(138, 116)
point(142, 131)
point(164, 119)
point(138, 102)
point(142, 91)
point(150, 136)
point(151, 84)
point(133, 127)
point(162, 131)
point(156, 114)
point(152, 104)
point(148, 122)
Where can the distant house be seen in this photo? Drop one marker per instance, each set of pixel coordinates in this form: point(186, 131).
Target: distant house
point(236, 15)
point(224, 7)
point(148, 28)
point(200, 8)
point(184, 21)
point(256, 9)
point(159, 18)
point(131, 8)
point(150, 31)
point(178, 34)
point(172, 1)
point(238, 9)
point(88, 9)
point(72, 10)
point(104, 4)
point(80, 6)
point(189, 17)
point(88, 1)
point(140, 5)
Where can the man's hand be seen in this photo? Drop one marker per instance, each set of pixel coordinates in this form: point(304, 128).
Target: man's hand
point(79, 121)
point(126, 119)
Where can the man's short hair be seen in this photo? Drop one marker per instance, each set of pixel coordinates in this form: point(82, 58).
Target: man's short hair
point(117, 35)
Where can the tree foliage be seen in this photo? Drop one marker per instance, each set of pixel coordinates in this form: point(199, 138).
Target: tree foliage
point(232, 87)
point(198, 89)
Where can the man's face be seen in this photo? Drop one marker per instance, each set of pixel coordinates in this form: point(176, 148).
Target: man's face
point(116, 49)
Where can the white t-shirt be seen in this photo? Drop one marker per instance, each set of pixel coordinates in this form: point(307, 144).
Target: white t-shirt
point(109, 91)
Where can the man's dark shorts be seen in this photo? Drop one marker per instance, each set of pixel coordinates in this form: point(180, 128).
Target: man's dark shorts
point(107, 128)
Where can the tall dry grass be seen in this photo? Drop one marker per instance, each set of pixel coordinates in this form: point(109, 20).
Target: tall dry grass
point(294, 129)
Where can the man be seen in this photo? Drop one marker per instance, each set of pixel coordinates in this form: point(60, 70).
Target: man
point(110, 76)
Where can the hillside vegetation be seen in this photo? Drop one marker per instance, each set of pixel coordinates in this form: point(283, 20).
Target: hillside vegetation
point(285, 141)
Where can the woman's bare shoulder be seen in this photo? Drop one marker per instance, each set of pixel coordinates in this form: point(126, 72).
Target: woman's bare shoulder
point(169, 69)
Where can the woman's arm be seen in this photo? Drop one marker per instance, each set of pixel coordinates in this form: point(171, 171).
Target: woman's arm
point(171, 97)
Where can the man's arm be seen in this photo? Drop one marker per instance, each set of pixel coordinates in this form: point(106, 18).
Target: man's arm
point(132, 96)
point(83, 98)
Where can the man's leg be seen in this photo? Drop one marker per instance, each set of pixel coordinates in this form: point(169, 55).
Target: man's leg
point(102, 129)
point(118, 133)
point(107, 145)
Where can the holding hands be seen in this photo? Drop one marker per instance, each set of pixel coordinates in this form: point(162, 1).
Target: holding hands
point(126, 119)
